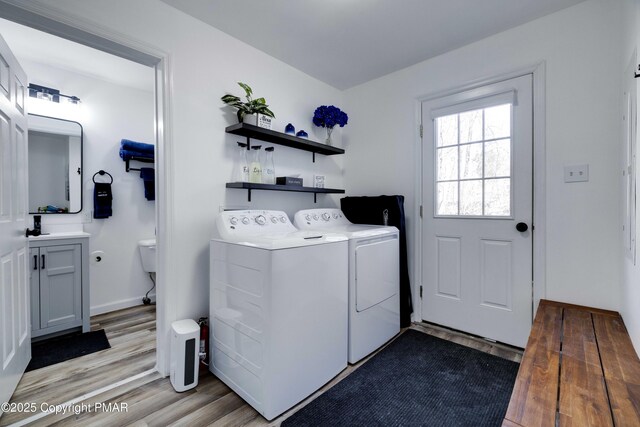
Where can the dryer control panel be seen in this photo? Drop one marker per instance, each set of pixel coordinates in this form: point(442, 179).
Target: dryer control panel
point(233, 225)
point(316, 218)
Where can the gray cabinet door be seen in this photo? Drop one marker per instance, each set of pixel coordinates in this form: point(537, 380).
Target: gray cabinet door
point(34, 274)
point(60, 286)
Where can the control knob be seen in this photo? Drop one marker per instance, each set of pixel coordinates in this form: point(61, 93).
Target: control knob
point(274, 220)
point(233, 220)
point(261, 220)
point(245, 220)
point(335, 216)
point(326, 216)
point(315, 217)
point(283, 219)
point(307, 217)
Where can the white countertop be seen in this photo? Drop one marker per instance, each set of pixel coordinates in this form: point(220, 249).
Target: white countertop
point(56, 236)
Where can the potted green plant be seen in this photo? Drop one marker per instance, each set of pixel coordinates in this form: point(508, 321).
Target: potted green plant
point(251, 106)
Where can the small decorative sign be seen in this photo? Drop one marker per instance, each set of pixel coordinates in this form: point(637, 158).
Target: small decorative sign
point(264, 121)
point(289, 180)
point(318, 181)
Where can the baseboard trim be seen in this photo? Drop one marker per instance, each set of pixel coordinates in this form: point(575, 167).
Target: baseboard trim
point(119, 305)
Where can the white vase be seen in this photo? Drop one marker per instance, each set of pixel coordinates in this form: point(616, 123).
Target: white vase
point(328, 140)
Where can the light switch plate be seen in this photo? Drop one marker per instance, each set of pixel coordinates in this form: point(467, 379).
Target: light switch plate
point(577, 173)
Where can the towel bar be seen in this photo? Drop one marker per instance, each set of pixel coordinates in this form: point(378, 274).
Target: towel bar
point(137, 159)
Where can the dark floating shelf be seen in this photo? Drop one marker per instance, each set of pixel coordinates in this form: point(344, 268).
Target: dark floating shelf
point(267, 135)
point(274, 187)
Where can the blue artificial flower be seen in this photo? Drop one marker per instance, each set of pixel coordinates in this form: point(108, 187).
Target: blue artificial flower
point(329, 116)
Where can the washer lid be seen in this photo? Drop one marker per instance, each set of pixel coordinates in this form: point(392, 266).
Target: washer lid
point(288, 240)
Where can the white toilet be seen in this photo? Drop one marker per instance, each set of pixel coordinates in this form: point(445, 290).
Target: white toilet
point(148, 255)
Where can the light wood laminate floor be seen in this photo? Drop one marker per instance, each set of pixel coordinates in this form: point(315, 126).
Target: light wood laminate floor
point(132, 335)
point(151, 401)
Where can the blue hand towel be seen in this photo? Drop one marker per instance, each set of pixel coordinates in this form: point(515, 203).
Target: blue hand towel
point(148, 176)
point(102, 198)
point(140, 147)
point(128, 154)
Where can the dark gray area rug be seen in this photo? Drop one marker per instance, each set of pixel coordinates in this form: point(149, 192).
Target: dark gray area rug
point(65, 347)
point(418, 380)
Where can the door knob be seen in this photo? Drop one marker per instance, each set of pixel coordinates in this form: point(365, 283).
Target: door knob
point(522, 227)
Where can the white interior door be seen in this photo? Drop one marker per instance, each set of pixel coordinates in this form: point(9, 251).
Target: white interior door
point(477, 194)
point(15, 321)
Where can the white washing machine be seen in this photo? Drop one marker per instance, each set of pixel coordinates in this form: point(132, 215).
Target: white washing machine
point(374, 277)
point(278, 308)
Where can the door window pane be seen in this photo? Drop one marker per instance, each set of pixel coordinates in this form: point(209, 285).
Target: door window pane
point(473, 163)
point(447, 198)
point(497, 122)
point(447, 130)
point(497, 158)
point(447, 163)
point(471, 126)
point(471, 197)
point(497, 197)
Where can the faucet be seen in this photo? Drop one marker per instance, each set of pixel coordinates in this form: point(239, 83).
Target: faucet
point(37, 227)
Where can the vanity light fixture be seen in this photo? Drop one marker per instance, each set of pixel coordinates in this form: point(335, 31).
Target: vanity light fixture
point(50, 94)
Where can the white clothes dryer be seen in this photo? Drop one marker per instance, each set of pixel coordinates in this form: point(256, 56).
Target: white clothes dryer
point(278, 308)
point(374, 277)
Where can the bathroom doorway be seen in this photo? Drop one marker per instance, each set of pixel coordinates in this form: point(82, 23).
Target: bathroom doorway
point(130, 325)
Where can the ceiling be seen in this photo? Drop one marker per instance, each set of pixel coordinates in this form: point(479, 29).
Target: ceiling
point(348, 42)
point(31, 45)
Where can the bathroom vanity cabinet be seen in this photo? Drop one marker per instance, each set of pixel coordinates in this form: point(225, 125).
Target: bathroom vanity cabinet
point(59, 283)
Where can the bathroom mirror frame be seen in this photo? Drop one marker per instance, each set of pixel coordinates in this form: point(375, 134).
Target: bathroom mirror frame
point(80, 170)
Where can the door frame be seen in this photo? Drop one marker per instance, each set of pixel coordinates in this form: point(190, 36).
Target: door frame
point(538, 71)
point(47, 18)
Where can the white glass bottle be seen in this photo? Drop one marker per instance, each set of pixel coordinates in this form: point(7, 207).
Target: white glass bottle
point(268, 170)
point(241, 169)
point(255, 167)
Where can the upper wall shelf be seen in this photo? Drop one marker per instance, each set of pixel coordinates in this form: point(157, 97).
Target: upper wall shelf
point(267, 135)
point(298, 188)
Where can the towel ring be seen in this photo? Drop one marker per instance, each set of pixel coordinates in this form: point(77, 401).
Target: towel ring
point(101, 172)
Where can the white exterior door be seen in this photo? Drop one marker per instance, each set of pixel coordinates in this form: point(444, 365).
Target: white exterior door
point(15, 321)
point(477, 199)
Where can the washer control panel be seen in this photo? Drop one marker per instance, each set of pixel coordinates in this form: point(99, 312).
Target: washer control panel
point(315, 218)
point(232, 225)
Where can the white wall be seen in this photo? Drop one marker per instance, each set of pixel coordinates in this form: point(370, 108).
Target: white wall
point(108, 113)
point(630, 301)
point(579, 45)
point(203, 64)
point(580, 48)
